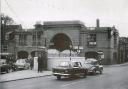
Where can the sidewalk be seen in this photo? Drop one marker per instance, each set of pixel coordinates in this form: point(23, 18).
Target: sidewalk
point(24, 74)
point(117, 65)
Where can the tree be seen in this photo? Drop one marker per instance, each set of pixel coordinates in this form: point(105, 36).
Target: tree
point(6, 20)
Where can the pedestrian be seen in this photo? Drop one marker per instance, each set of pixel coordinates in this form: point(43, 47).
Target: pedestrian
point(31, 63)
point(40, 63)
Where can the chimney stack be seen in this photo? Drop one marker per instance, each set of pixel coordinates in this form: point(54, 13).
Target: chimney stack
point(97, 23)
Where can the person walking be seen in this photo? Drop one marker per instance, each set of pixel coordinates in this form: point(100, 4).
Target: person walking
point(40, 63)
point(31, 63)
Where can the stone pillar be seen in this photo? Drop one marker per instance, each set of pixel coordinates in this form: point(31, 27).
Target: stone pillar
point(35, 67)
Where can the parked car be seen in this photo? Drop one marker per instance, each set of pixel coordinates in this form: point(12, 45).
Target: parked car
point(22, 64)
point(69, 69)
point(93, 66)
point(4, 67)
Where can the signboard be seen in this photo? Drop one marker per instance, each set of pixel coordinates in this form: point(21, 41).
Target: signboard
point(78, 47)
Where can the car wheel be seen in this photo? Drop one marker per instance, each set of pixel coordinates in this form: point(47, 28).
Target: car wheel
point(101, 71)
point(8, 70)
point(94, 71)
point(58, 77)
point(85, 74)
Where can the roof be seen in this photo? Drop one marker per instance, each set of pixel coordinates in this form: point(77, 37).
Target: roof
point(91, 59)
point(14, 26)
point(63, 22)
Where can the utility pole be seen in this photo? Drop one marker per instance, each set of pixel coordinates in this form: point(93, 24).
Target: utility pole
point(70, 52)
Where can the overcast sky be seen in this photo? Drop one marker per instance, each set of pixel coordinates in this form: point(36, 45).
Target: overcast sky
point(110, 12)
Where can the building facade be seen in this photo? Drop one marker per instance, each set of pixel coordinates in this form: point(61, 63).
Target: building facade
point(98, 42)
point(123, 49)
point(8, 41)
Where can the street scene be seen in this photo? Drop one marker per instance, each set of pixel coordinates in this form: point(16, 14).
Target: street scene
point(113, 77)
point(64, 44)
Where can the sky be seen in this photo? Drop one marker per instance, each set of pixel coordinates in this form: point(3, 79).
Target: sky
point(28, 12)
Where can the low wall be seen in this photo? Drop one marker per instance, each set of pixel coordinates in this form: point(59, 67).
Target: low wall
point(54, 61)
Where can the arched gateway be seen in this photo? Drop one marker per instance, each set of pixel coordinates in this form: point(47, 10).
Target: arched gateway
point(63, 35)
point(60, 42)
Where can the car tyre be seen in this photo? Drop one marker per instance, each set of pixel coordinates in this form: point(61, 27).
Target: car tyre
point(94, 71)
point(101, 71)
point(58, 77)
point(8, 71)
point(85, 74)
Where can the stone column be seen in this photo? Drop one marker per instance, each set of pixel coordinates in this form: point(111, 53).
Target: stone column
point(35, 67)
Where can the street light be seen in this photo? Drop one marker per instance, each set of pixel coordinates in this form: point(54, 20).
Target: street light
point(79, 48)
point(70, 51)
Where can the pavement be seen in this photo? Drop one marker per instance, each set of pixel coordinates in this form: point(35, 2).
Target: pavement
point(21, 75)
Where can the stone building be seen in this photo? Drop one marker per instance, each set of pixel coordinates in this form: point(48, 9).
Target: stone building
point(98, 42)
point(8, 40)
point(123, 49)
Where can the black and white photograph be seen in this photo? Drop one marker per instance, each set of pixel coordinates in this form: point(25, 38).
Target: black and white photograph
point(63, 44)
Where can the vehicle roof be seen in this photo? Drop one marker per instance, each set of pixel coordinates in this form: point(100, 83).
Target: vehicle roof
point(69, 61)
point(92, 59)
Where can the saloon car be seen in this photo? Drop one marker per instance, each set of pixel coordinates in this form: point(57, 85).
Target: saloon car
point(69, 69)
point(22, 64)
point(4, 67)
point(93, 66)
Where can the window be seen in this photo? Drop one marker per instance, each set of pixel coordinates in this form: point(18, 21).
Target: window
point(39, 39)
point(91, 39)
point(34, 40)
point(22, 39)
point(5, 48)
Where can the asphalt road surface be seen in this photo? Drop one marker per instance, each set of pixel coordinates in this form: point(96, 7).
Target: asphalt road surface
point(113, 77)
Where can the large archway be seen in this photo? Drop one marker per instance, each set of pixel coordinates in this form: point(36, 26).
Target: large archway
point(22, 54)
point(60, 42)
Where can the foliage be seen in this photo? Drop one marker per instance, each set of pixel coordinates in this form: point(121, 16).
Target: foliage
point(6, 20)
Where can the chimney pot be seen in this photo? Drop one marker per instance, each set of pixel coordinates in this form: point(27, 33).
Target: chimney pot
point(97, 23)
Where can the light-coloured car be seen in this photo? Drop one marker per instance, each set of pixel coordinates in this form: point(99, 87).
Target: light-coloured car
point(22, 64)
point(93, 66)
point(69, 69)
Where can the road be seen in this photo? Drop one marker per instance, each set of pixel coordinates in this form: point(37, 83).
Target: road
point(113, 77)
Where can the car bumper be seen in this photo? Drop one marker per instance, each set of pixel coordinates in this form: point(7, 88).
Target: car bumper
point(20, 67)
point(61, 74)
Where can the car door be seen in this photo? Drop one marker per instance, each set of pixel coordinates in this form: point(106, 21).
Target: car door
point(76, 67)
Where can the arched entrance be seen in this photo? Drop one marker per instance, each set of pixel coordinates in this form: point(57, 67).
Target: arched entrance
point(91, 54)
point(60, 42)
point(22, 54)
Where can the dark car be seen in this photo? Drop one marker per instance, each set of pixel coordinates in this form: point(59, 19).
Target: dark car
point(93, 66)
point(69, 69)
point(4, 67)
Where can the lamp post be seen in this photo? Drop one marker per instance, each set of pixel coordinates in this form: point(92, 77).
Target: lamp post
point(70, 52)
point(79, 49)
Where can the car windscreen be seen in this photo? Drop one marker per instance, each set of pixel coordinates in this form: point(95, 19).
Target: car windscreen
point(92, 62)
point(20, 61)
point(64, 64)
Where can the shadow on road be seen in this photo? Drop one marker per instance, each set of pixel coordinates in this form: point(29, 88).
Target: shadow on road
point(71, 78)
